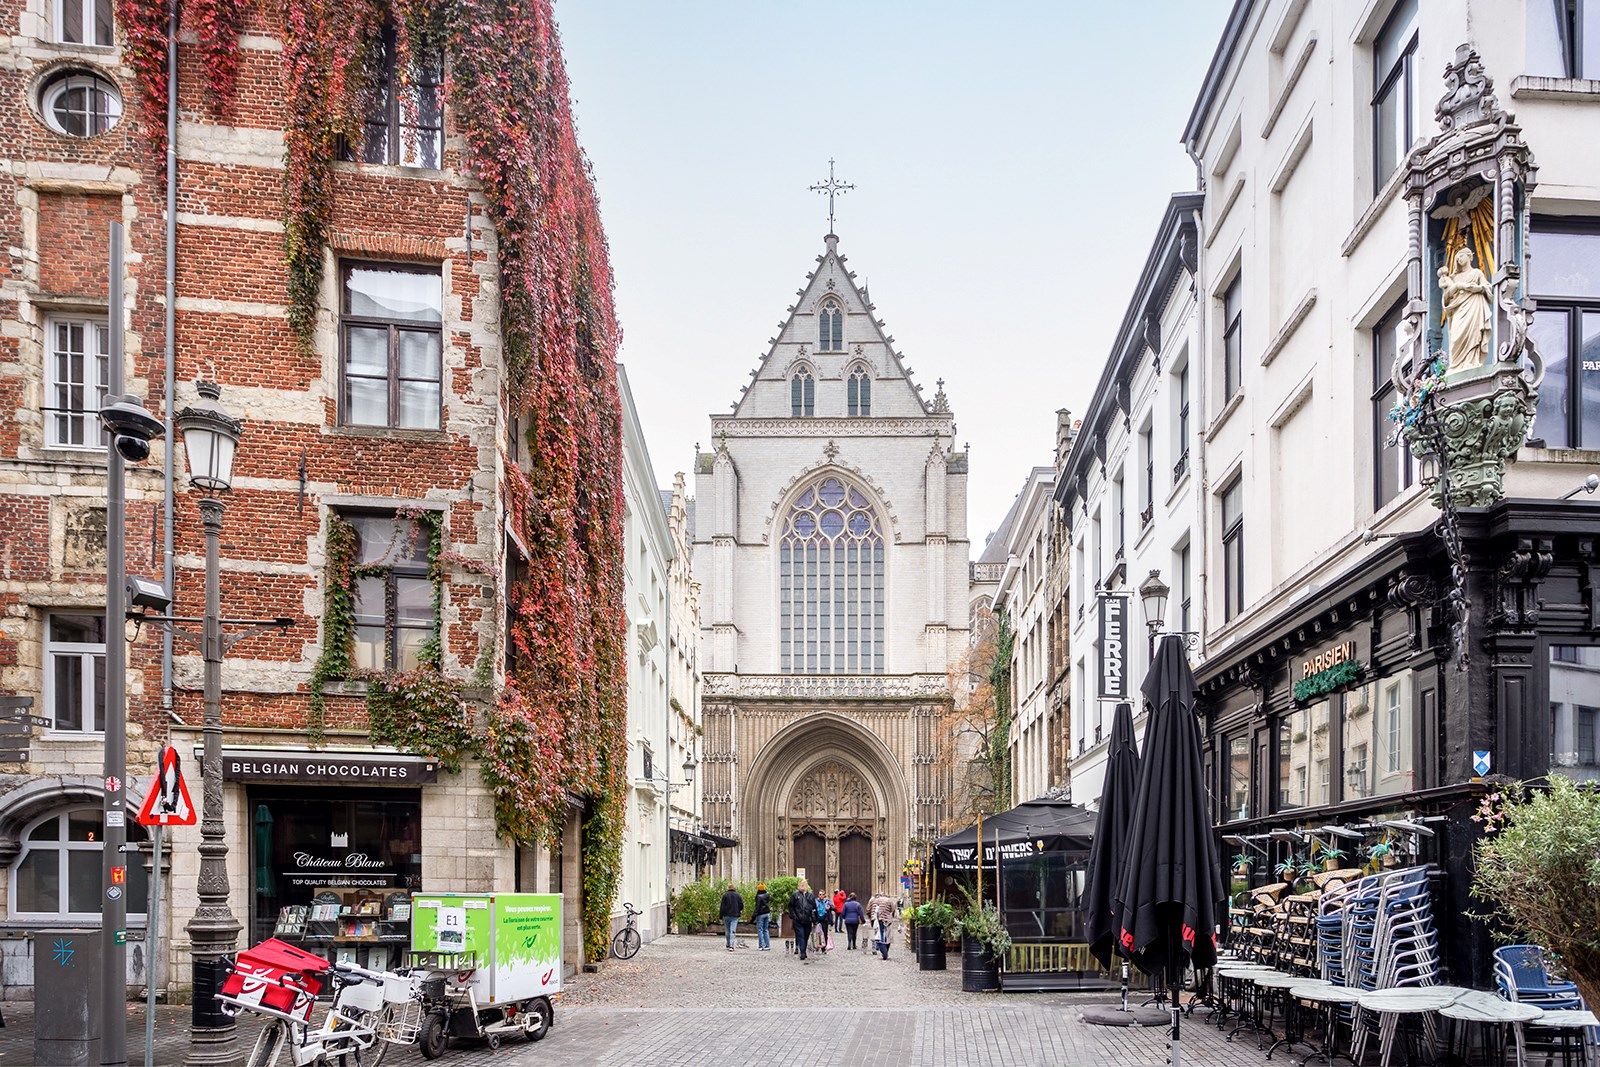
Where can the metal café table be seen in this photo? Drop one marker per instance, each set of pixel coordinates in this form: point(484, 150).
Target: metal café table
point(1245, 977)
point(1327, 997)
point(1492, 1014)
point(1571, 1023)
point(1391, 1005)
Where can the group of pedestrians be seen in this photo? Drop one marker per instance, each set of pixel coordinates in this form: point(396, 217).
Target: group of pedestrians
point(813, 914)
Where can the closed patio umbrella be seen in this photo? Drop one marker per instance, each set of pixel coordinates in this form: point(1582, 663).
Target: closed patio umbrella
point(1172, 879)
point(1107, 853)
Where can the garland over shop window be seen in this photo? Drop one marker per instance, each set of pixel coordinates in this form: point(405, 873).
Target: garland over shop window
point(831, 572)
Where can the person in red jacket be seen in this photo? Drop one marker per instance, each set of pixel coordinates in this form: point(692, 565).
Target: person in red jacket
point(838, 910)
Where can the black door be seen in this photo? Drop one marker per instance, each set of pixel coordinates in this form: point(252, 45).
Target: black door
point(810, 853)
point(855, 865)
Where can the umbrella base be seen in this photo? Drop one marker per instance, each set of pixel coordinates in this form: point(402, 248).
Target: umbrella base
point(1112, 1015)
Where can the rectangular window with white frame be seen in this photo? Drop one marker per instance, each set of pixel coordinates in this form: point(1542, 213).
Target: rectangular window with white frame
point(86, 22)
point(1564, 38)
point(77, 365)
point(75, 672)
point(1233, 338)
point(1147, 479)
point(1394, 92)
point(1180, 422)
point(1185, 594)
point(1233, 548)
point(1393, 468)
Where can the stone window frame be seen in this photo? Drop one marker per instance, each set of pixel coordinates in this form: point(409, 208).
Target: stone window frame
point(802, 392)
point(400, 122)
point(391, 568)
point(395, 327)
point(94, 326)
point(830, 326)
point(63, 847)
point(858, 391)
point(832, 587)
point(91, 657)
point(59, 81)
point(89, 18)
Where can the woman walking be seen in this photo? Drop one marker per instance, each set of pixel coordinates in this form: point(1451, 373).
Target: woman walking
point(838, 909)
point(824, 921)
point(852, 914)
point(880, 912)
point(763, 917)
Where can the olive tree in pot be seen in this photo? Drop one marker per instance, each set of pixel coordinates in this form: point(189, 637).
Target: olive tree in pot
point(984, 943)
point(1538, 867)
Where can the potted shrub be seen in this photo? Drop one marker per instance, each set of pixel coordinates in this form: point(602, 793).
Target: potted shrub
point(932, 923)
point(1242, 864)
point(1538, 867)
point(1332, 858)
point(984, 943)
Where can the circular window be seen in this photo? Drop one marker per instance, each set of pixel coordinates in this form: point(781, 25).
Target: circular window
point(81, 104)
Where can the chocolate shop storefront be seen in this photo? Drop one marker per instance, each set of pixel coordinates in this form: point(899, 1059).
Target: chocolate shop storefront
point(1346, 722)
point(335, 848)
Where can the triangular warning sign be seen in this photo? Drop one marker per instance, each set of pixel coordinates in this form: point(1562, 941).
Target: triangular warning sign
point(167, 802)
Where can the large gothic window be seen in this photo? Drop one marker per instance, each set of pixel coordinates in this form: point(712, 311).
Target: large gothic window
point(830, 329)
point(830, 577)
point(858, 393)
point(802, 394)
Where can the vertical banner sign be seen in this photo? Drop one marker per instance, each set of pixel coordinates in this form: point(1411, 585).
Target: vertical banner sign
point(1114, 646)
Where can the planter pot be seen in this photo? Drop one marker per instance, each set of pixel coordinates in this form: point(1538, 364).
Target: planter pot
point(930, 948)
point(980, 971)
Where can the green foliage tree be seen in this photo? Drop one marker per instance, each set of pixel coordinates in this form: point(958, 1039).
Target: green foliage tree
point(1539, 867)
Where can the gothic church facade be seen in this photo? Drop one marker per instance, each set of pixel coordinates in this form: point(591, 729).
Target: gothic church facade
point(831, 541)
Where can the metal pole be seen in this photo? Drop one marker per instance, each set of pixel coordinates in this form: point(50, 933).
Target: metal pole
point(152, 937)
point(980, 859)
point(213, 931)
point(113, 864)
point(169, 314)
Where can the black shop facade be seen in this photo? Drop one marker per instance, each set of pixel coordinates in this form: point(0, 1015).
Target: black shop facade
point(335, 847)
point(1346, 723)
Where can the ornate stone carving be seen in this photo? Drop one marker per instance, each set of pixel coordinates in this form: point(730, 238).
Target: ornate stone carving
point(83, 540)
point(1468, 313)
point(828, 686)
point(1517, 582)
point(1468, 94)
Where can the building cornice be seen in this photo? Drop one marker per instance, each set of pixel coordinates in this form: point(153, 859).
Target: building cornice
point(826, 686)
point(897, 426)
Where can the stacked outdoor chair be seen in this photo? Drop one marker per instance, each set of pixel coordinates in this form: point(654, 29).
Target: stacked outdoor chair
point(1521, 975)
point(1390, 941)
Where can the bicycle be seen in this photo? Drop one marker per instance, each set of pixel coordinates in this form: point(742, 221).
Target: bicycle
point(370, 1011)
point(625, 945)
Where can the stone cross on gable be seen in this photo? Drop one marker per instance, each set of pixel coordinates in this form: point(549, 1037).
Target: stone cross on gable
point(833, 187)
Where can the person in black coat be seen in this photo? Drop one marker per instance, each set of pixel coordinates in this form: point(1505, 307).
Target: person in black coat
point(732, 906)
point(763, 917)
point(803, 914)
point(852, 914)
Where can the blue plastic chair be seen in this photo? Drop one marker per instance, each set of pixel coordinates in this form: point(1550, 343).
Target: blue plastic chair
point(1522, 976)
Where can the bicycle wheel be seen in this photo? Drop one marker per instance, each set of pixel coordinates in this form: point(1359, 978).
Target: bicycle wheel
point(626, 944)
point(269, 1045)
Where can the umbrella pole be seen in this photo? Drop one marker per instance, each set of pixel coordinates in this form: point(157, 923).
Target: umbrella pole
point(1124, 983)
point(1174, 1051)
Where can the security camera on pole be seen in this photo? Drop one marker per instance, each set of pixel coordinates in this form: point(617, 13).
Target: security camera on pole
point(130, 429)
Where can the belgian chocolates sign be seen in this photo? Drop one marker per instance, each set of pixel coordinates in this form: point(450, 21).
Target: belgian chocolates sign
point(311, 768)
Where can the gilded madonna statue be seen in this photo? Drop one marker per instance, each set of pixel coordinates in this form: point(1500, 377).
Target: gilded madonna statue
point(1468, 312)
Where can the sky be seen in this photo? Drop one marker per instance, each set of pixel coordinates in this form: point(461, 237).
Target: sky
point(1011, 160)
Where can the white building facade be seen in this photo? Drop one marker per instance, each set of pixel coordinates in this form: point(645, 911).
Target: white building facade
point(1128, 493)
point(831, 543)
point(689, 851)
point(1023, 597)
point(647, 553)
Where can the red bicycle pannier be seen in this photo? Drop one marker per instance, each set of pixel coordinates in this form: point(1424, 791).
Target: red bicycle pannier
point(278, 976)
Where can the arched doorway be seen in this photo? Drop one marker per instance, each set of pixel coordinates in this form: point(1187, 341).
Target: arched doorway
point(832, 811)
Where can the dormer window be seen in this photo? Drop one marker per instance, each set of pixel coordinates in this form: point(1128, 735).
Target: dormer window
point(802, 394)
point(830, 328)
point(858, 393)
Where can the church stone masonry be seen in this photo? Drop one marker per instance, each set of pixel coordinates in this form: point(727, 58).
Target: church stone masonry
point(832, 543)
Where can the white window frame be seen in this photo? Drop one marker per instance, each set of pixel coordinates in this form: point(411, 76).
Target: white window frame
point(62, 847)
point(58, 23)
point(86, 651)
point(1391, 726)
point(96, 368)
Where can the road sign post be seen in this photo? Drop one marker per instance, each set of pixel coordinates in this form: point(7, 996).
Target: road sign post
point(166, 803)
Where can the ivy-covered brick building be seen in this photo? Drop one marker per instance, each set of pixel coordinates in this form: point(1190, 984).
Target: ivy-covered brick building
point(387, 251)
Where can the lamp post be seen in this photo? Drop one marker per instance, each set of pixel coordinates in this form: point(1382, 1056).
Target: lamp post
point(210, 437)
point(129, 431)
point(688, 779)
point(1153, 594)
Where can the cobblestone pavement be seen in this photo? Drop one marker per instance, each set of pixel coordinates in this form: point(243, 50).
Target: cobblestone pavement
point(686, 1000)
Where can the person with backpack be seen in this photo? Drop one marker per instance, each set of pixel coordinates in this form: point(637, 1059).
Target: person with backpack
point(851, 915)
point(803, 914)
point(824, 921)
point(732, 906)
point(763, 917)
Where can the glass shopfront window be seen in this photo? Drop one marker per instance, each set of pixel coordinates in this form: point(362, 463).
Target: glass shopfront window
point(1575, 711)
point(1305, 767)
point(1376, 741)
point(1042, 895)
point(1238, 783)
point(306, 842)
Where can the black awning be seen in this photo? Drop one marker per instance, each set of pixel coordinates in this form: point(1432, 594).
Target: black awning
point(1062, 827)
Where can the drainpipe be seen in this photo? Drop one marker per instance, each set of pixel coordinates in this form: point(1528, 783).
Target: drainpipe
point(169, 327)
point(1202, 386)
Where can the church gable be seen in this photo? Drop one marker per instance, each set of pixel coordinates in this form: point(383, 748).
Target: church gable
point(831, 357)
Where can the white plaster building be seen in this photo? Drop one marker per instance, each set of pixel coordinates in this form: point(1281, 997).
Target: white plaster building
point(647, 552)
point(682, 755)
point(831, 541)
point(1300, 132)
point(1127, 490)
point(1022, 595)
